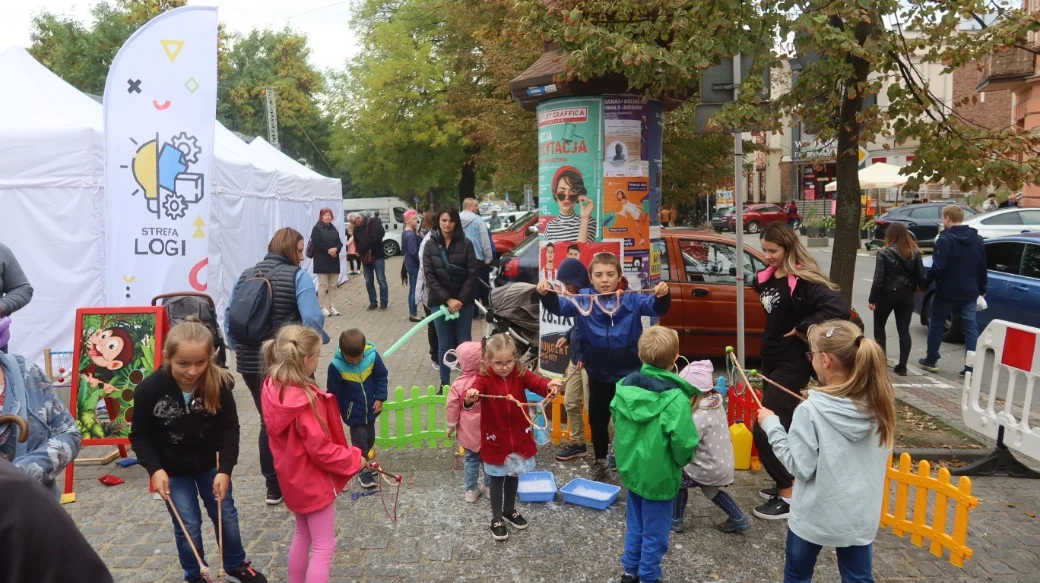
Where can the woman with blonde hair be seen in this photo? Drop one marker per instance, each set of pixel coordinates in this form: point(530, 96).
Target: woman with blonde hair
point(185, 434)
point(898, 274)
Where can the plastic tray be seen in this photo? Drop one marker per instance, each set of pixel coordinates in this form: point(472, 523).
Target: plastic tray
point(599, 504)
point(541, 495)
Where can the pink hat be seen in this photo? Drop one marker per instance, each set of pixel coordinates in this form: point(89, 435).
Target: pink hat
point(699, 373)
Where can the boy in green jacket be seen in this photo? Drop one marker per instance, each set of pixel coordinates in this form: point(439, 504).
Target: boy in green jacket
point(654, 438)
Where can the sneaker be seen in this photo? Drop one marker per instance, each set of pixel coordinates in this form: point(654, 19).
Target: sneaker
point(900, 370)
point(515, 519)
point(325, 312)
point(498, 530)
point(472, 495)
point(371, 307)
point(382, 308)
point(245, 574)
point(626, 578)
point(966, 370)
point(678, 526)
point(928, 366)
point(572, 452)
point(599, 471)
point(612, 463)
point(333, 311)
point(485, 490)
point(274, 497)
point(434, 364)
point(775, 509)
point(366, 480)
point(731, 526)
point(769, 493)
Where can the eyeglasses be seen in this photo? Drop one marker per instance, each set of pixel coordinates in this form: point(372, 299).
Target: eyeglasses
point(571, 197)
point(505, 364)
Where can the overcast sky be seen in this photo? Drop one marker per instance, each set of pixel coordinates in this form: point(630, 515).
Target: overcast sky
point(323, 21)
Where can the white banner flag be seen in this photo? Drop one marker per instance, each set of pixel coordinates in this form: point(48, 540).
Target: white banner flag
point(160, 112)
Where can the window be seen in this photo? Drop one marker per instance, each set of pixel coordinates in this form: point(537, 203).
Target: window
point(1004, 257)
point(666, 268)
point(399, 215)
point(770, 209)
point(1031, 262)
point(1004, 219)
point(933, 213)
point(714, 263)
point(1031, 217)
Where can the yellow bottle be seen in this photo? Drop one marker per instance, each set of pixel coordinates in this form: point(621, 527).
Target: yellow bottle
point(742, 441)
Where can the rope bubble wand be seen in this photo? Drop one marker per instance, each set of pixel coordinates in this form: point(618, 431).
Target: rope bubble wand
point(733, 357)
point(391, 479)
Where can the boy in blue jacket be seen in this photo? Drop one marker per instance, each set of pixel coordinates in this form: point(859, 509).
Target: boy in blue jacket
point(358, 380)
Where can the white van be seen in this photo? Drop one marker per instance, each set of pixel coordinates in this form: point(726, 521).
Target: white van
point(391, 211)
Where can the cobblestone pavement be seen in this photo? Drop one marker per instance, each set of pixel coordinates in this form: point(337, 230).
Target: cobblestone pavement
point(441, 538)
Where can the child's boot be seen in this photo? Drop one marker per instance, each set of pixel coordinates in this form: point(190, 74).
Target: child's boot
point(731, 525)
point(678, 525)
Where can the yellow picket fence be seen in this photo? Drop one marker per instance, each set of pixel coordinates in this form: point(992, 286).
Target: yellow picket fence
point(945, 494)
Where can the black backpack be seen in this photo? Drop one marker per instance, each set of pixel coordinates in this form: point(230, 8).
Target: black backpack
point(251, 318)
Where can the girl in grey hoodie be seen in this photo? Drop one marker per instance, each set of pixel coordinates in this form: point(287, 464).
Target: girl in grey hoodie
point(837, 449)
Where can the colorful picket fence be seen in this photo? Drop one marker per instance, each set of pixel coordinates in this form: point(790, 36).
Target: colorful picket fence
point(918, 526)
point(413, 418)
point(560, 431)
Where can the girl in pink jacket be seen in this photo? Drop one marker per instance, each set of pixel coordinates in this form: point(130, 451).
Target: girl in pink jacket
point(311, 456)
point(465, 423)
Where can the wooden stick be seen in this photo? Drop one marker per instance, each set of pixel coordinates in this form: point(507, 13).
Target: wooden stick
point(221, 575)
point(203, 569)
point(779, 386)
point(747, 383)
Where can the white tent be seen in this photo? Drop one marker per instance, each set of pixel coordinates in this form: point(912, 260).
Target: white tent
point(52, 207)
point(878, 175)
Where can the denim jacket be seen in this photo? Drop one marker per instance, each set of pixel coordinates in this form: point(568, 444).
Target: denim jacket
point(54, 440)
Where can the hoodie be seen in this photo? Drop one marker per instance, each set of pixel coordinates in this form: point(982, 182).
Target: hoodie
point(477, 232)
point(312, 466)
point(654, 432)
point(832, 451)
point(958, 265)
point(357, 387)
point(465, 422)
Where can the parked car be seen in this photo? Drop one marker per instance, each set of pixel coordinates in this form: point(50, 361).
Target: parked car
point(1013, 289)
point(700, 268)
point(391, 211)
point(759, 216)
point(720, 218)
point(515, 232)
point(923, 220)
point(1010, 221)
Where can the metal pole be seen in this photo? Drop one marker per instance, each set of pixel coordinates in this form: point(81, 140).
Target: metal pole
point(738, 202)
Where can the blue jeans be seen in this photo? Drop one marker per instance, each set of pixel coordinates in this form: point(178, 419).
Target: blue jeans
point(376, 269)
point(451, 333)
point(648, 524)
point(854, 563)
point(184, 493)
point(940, 310)
point(471, 470)
point(413, 274)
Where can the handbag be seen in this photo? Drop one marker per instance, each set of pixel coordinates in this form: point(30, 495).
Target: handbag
point(455, 273)
point(309, 251)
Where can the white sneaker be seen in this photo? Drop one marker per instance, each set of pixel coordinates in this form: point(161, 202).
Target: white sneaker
point(325, 312)
point(472, 495)
point(485, 491)
point(334, 311)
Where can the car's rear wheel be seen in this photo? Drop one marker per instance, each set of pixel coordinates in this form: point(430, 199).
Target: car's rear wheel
point(390, 248)
point(752, 227)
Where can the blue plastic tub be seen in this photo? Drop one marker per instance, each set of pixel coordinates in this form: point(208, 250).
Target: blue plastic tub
point(591, 494)
point(540, 494)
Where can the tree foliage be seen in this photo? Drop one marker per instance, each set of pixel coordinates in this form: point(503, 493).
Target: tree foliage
point(663, 45)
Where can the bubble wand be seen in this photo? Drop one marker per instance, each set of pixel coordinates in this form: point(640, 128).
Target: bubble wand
point(442, 312)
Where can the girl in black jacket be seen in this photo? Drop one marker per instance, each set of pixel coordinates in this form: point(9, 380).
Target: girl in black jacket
point(185, 417)
point(795, 295)
point(898, 275)
point(326, 246)
point(450, 271)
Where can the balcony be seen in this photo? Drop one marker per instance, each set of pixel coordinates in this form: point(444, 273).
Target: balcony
point(1005, 69)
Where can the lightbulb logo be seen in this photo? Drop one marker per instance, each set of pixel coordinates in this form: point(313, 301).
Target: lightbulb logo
point(161, 171)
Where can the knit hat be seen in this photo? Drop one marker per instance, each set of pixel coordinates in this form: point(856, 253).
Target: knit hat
point(573, 272)
point(699, 374)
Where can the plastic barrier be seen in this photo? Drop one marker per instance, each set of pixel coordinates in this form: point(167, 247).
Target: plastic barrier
point(918, 526)
point(1016, 358)
point(417, 420)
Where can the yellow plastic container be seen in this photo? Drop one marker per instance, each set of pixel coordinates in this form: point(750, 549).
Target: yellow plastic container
point(742, 442)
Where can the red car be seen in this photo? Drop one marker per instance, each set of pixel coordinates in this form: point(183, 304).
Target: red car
point(759, 216)
point(505, 239)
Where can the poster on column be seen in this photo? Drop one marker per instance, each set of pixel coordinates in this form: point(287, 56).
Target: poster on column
point(160, 113)
point(625, 136)
point(570, 174)
point(553, 328)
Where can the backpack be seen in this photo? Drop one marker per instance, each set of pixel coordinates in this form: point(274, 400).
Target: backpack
point(251, 316)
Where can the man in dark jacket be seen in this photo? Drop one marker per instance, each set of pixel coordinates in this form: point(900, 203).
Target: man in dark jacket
point(959, 275)
point(368, 237)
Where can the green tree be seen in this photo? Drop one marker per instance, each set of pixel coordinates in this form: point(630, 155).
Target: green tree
point(693, 164)
point(661, 46)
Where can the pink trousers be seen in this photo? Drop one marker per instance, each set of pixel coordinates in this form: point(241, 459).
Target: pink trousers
point(313, 545)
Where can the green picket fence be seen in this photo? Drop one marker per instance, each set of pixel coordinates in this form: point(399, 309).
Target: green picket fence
point(415, 419)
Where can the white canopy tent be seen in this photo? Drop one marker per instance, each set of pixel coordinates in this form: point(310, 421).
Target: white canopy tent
point(52, 206)
point(878, 175)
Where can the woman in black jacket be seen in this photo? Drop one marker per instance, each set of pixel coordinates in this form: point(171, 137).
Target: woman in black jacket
point(450, 271)
point(326, 246)
point(898, 274)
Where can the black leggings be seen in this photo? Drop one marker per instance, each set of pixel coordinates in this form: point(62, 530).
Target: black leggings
point(903, 307)
point(503, 496)
point(601, 393)
point(354, 261)
point(431, 336)
point(793, 375)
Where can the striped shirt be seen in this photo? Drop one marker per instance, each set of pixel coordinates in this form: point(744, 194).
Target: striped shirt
point(567, 228)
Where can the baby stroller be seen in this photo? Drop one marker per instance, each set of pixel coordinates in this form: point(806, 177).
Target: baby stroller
point(514, 310)
point(182, 305)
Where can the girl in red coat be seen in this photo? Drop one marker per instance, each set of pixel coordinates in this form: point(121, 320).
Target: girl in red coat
point(311, 455)
point(507, 446)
